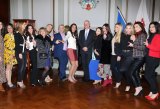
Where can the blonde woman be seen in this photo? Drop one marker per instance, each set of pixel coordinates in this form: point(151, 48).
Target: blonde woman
point(9, 54)
point(127, 53)
point(116, 53)
point(43, 54)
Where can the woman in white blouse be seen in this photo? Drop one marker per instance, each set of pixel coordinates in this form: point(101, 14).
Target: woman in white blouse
point(71, 51)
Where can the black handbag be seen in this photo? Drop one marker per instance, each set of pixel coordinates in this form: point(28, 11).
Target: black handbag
point(43, 55)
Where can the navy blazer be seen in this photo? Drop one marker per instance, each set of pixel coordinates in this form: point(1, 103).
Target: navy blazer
point(58, 48)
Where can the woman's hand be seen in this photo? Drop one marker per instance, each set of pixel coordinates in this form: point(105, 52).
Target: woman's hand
point(118, 58)
point(0, 59)
point(95, 51)
point(146, 43)
point(130, 44)
point(20, 56)
point(62, 41)
point(133, 38)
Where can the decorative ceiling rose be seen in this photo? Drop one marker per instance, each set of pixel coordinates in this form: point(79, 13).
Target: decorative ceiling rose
point(88, 4)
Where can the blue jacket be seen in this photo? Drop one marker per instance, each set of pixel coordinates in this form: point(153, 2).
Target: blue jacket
point(58, 48)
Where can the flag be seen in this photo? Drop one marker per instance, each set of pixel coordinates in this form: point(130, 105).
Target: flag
point(120, 19)
point(142, 14)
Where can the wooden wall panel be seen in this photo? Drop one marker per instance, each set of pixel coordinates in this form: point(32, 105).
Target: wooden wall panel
point(5, 11)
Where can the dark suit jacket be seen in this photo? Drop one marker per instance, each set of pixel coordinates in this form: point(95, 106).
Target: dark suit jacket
point(86, 43)
point(58, 48)
point(18, 43)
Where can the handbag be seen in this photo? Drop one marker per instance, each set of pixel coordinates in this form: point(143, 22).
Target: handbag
point(43, 55)
point(93, 66)
point(100, 71)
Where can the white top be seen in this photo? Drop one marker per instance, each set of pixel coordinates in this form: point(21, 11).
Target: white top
point(30, 43)
point(71, 41)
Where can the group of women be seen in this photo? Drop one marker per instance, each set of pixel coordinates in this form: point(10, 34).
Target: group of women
point(123, 53)
point(15, 43)
point(130, 50)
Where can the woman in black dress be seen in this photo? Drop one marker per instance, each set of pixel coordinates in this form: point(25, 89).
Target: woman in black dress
point(106, 50)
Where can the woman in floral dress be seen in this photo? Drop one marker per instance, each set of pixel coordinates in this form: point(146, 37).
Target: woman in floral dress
point(9, 54)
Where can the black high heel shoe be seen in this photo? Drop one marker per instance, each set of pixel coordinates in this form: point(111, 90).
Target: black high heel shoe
point(42, 82)
point(140, 93)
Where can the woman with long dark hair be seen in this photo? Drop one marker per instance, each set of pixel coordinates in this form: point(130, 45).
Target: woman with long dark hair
point(105, 59)
point(30, 35)
point(152, 59)
point(138, 55)
point(71, 37)
point(126, 54)
point(2, 66)
point(97, 52)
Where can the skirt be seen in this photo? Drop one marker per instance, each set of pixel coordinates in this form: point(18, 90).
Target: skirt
point(72, 55)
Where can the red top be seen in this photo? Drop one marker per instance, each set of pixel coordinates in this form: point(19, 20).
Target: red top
point(154, 47)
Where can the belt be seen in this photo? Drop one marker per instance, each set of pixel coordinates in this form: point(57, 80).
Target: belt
point(127, 51)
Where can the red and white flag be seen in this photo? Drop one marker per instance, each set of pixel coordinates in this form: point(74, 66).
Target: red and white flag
point(143, 14)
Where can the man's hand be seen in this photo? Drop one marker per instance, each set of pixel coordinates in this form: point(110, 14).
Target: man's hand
point(85, 49)
point(58, 41)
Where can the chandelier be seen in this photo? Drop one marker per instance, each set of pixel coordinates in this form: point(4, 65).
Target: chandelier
point(88, 4)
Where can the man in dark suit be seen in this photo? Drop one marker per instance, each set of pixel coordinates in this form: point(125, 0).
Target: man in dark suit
point(86, 40)
point(60, 52)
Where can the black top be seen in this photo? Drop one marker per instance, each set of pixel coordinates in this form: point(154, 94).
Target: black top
point(118, 46)
point(125, 42)
point(106, 49)
point(98, 46)
point(19, 43)
point(126, 50)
